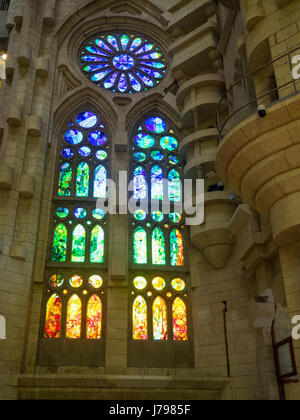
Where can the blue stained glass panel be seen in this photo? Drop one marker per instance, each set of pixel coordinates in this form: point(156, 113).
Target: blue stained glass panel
point(135, 83)
point(84, 151)
point(157, 155)
point(145, 79)
point(97, 138)
point(157, 188)
point(112, 40)
point(103, 45)
point(101, 155)
point(174, 186)
point(144, 141)
point(111, 80)
point(100, 182)
point(92, 58)
point(156, 124)
point(94, 50)
point(123, 62)
point(87, 119)
point(139, 157)
point(99, 76)
point(135, 43)
point(145, 48)
point(67, 153)
point(80, 213)
point(122, 83)
point(140, 184)
point(74, 136)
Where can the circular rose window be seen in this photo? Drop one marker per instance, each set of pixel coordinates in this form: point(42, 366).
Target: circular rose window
point(123, 63)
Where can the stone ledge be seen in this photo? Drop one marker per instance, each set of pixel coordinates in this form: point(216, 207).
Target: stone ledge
point(116, 381)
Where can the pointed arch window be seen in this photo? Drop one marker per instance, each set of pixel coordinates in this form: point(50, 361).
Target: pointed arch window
point(75, 295)
point(157, 174)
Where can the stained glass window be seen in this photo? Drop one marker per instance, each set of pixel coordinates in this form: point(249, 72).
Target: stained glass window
point(94, 318)
point(157, 174)
point(73, 328)
point(123, 62)
point(179, 320)
point(85, 143)
point(75, 287)
point(140, 321)
point(53, 317)
point(165, 296)
point(160, 319)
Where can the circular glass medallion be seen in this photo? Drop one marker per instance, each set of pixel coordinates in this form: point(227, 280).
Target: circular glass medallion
point(168, 143)
point(84, 151)
point(158, 283)
point(56, 280)
point(173, 160)
point(76, 281)
point(67, 153)
point(140, 283)
point(62, 212)
point(123, 62)
point(101, 155)
point(157, 216)
point(96, 281)
point(156, 155)
point(97, 138)
point(74, 136)
point(139, 157)
point(140, 215)
point(178, 285)
point(175, 217)
point(144, 141)
point(80, 213)
point(156, 125)
point(87, 119)
point(98, 214)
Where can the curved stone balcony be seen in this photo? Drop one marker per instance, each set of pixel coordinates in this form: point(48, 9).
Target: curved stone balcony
point(202, 94)
point(231, 4)
point(191, 52)
point(199, 150)
point(260, 160)
point(213, 237)
point(189, 15)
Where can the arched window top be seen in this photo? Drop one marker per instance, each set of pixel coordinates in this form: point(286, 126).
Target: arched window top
point(123, 62)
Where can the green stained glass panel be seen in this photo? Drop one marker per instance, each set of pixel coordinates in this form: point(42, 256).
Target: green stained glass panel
point(62, 212)
point(97, 245)
point(82, 180)
point(59, 250)
point(65, 180)
point(158, 247)
point(78, 244)
point(140, 246)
